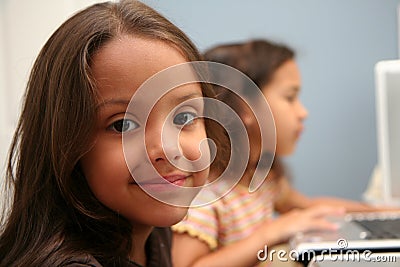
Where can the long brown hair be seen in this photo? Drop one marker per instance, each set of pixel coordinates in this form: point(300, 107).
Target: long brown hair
point(259, 59)
point(53, 213)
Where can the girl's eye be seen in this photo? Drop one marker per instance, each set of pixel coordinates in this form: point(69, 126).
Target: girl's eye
point(291, 98)
point(184, 118)
point(124, 125)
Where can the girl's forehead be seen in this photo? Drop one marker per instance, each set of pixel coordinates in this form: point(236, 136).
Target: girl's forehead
point(128, 61)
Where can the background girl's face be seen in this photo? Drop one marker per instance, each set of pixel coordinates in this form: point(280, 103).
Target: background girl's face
point(282, 94)
point(119, 68)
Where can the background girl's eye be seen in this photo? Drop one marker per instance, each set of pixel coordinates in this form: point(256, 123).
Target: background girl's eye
point(291, 98)
point(124, 125)
point(184, 118)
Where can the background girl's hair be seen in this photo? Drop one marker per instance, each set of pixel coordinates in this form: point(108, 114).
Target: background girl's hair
point(53, 214)
point(259, 59)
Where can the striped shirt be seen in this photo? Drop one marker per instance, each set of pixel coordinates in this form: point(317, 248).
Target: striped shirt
point(231, 218)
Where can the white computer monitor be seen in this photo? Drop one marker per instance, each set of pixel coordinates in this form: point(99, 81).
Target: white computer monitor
point(387, 78)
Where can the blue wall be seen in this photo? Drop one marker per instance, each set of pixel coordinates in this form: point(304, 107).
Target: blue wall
point(337, 42)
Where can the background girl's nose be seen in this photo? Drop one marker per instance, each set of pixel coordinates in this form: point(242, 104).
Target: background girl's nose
point(303, 112)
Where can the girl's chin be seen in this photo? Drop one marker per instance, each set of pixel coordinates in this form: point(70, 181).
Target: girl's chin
point(171, 217)
point(286, 152)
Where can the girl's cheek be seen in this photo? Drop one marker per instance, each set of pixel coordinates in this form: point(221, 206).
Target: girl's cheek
point(134, 150)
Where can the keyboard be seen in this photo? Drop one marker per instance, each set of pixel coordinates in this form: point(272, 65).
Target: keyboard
point(388, 228)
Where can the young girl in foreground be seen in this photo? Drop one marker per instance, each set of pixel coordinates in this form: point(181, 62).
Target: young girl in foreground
point(75, 201)
point(231, 231)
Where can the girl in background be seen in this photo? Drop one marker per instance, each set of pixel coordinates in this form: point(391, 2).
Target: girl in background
point(75, 201)
point(231, 231)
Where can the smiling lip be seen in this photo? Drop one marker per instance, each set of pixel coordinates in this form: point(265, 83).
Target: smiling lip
point(169, 179)
point(176, 179)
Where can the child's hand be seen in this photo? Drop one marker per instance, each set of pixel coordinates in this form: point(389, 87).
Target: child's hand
point(292, 222)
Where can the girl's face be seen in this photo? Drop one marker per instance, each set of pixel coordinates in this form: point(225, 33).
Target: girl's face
point(282, 94)
point(119, 68)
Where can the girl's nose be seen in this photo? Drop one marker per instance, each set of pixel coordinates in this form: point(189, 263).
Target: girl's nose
point(303, 112)
point(163, 145)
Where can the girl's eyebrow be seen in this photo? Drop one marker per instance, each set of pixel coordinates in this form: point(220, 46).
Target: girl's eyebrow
point(125, 102)
point(113, 101)
point(293, 88)
point(187, 97)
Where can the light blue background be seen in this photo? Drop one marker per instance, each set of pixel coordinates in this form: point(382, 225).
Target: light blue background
point(338, 43)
